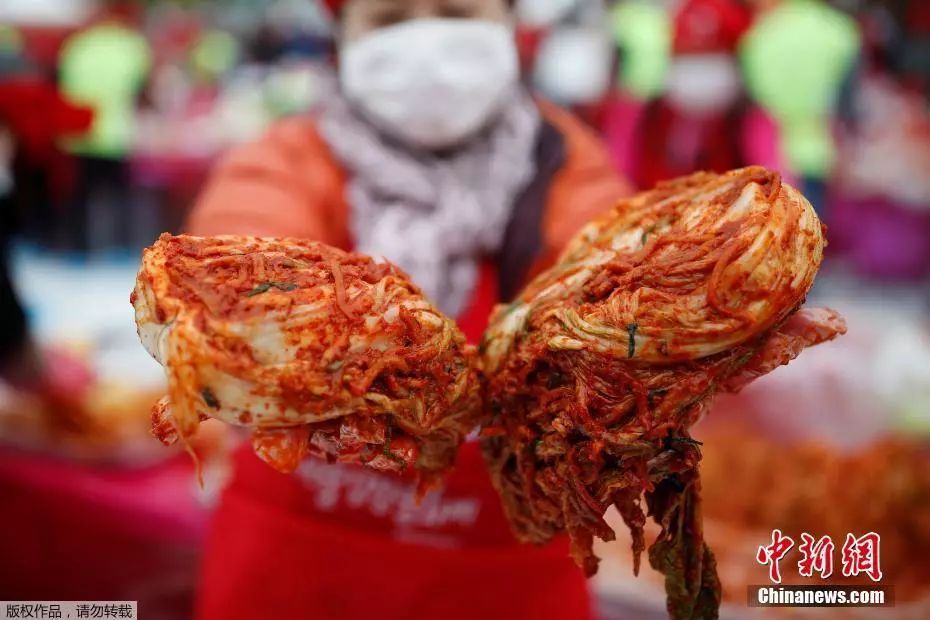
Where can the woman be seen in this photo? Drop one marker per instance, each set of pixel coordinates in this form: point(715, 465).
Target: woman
point(432, 155)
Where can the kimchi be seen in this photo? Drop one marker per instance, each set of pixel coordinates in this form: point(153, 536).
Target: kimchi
point(596, 373)
point(312, 349)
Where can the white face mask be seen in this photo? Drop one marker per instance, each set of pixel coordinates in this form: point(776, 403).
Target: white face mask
point(703, 83)
point(431, 83)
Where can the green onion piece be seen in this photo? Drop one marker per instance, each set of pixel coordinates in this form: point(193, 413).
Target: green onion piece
point(264, 287)
point(210, 398)
point(258, 290)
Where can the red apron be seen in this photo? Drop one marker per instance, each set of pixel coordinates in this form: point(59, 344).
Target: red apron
point(345, 542)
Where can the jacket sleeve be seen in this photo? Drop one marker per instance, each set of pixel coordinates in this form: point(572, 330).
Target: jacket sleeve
point(586, 186)
point(283, 185)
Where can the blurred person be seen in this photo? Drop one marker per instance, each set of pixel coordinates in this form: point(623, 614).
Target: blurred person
point(642, 31)
point(575, 58)
point(702, 120)
point(797, 57)
point(33, 116)
point(534, 20)
point(105, 66)
point(29, 167)
point(430, 153)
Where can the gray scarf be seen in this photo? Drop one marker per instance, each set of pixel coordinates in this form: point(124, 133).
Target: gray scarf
point(433, 216)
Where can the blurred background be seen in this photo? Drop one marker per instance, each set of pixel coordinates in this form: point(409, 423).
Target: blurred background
point(109, 126)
